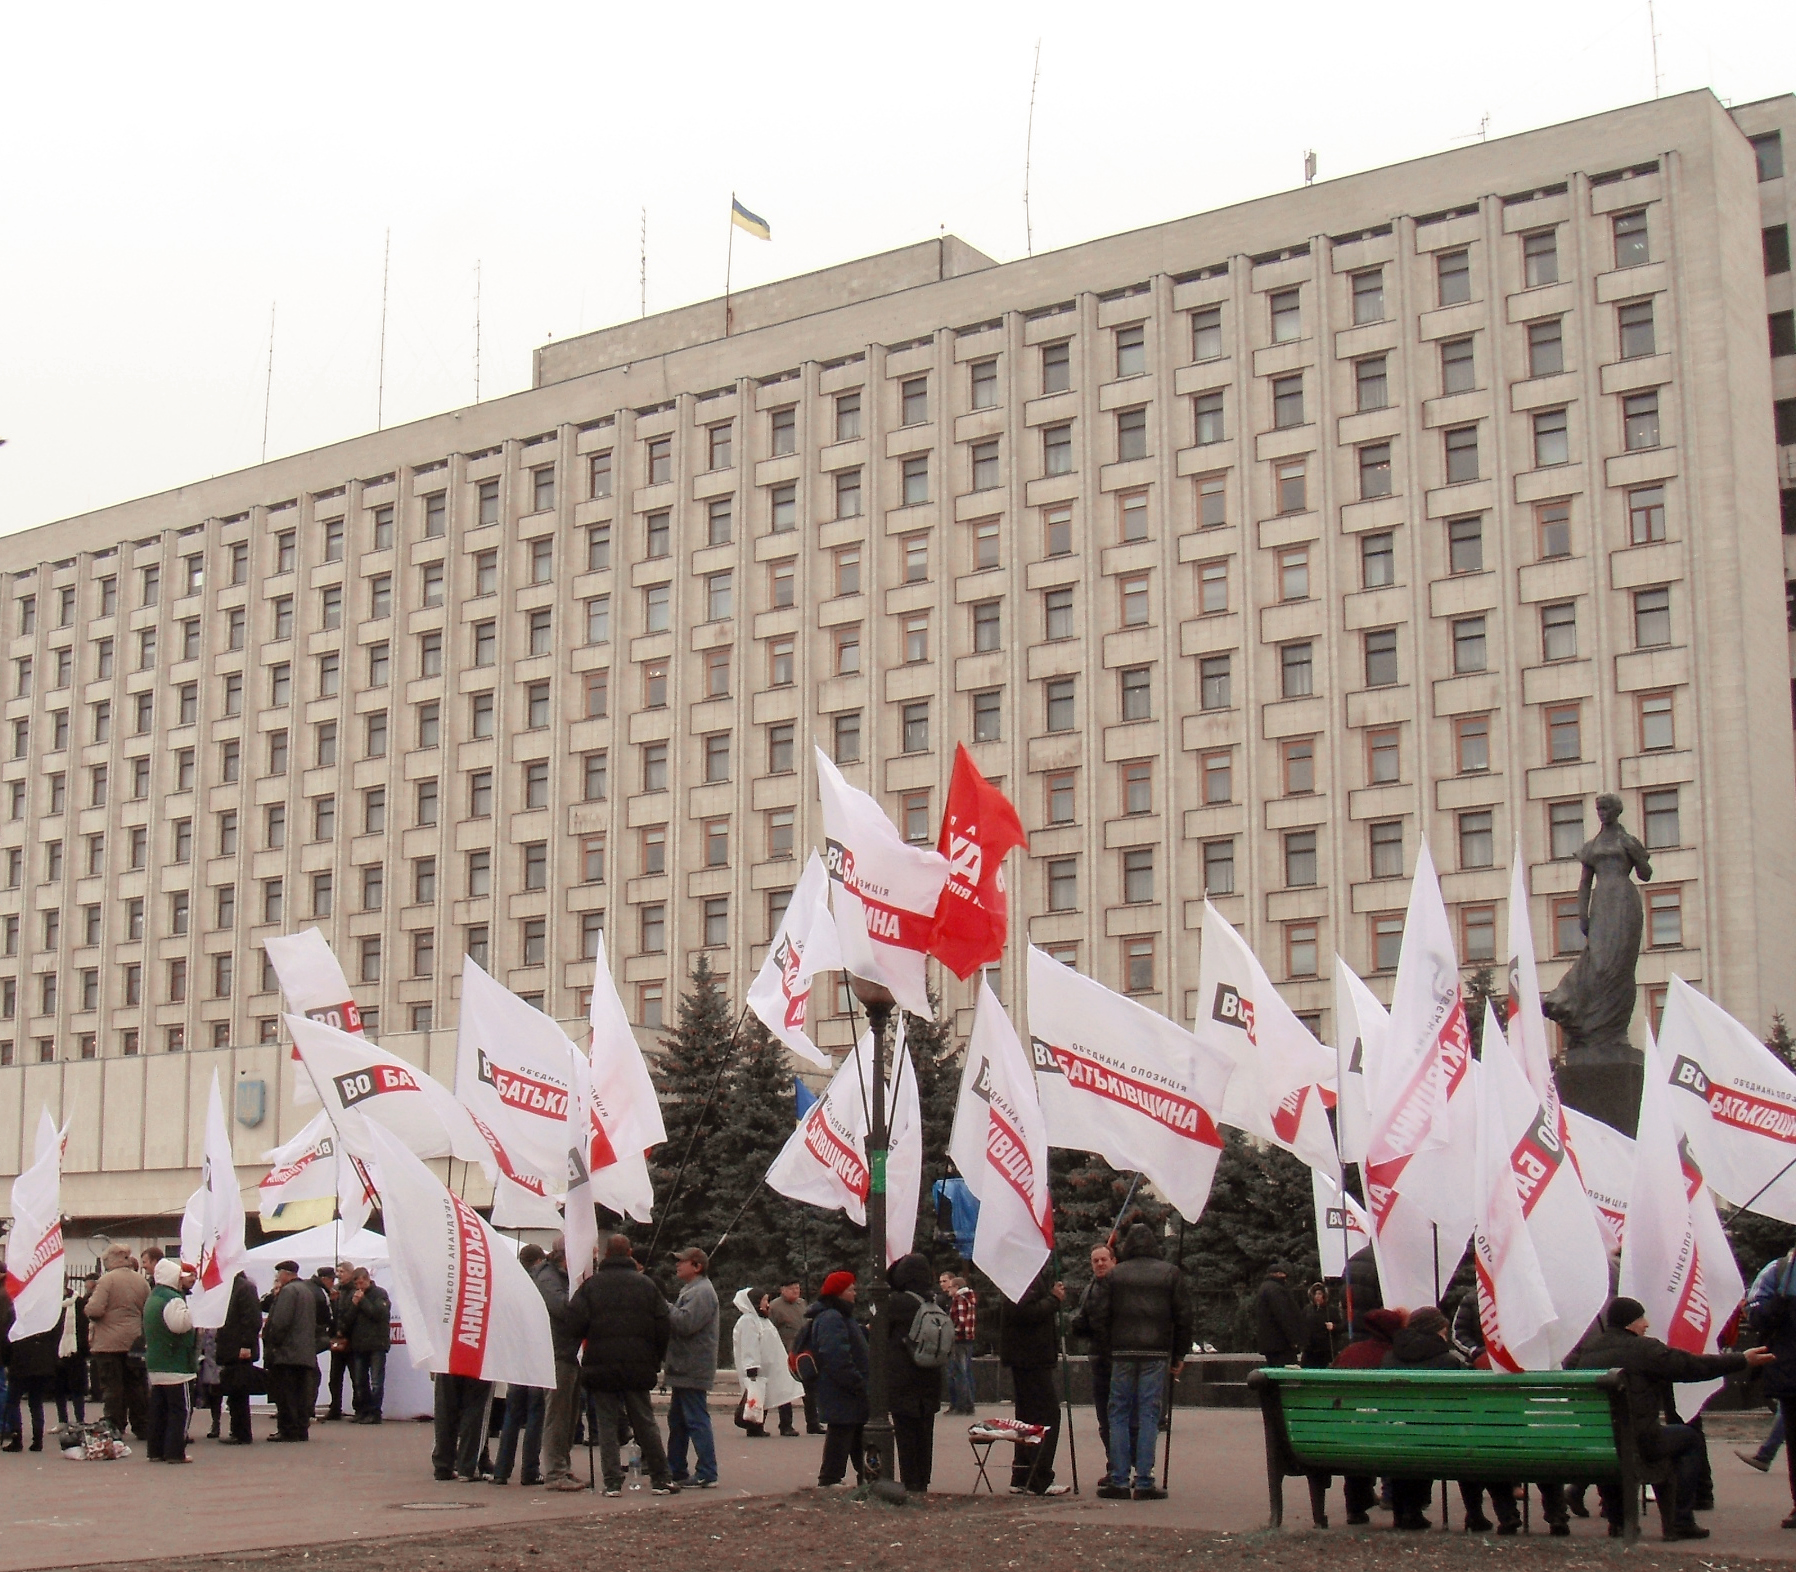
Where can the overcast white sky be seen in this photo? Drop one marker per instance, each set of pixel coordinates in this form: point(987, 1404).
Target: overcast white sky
point(171, 172)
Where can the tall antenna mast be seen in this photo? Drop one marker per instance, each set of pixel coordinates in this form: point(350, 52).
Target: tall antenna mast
point(1029, 151)
point(380, 394)
point(1652, 28)
point(268, 385)
point(643, 256)
point(477, 330)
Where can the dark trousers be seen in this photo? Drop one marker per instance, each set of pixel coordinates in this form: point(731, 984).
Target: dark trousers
point(786, 1426)
point(1100, 1398)
point(125, 1392)
point(1682, 1447)
point(339, 1369)
point(290, 1390)
point(1502, 1499)
point(461, 1407)
point(612, 1407)
point(314, 1378)
point(1036, 1404)
point(1411, 1498)
point(168, 1422)
point(524, 1410)
point(31, 1392)
point(811, 1424)
point(1359, 1493)
point(914, 1437)
point(841, 1446)
point(71, 1388)
point(237, 1403)
point(1786, 1409)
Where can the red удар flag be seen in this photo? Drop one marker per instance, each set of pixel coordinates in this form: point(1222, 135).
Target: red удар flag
point(979, 826)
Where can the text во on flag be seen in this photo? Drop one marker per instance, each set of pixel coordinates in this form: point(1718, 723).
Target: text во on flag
point(1514, 1306)
point(626, 1115)
point(312, 1179)
point(1342, 1227)
point(215, 1249)
point(886, 891)
point(1606, 1167)
point(1735, 1100)
point(34, 1259)
point(469, 1309)
point(1276, 1091)
point(1675, 1257)
point(1361, 1026)
point(979, 828)
point(805, 945)
point(363, 1085)
point(1121, 1081)
point(514, 1073)
point(313, 984)
point(1000, 1144)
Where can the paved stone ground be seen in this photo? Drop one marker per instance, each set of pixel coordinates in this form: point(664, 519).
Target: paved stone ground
point(352, 1483)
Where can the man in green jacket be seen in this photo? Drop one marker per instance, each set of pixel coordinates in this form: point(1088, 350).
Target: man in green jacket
point(171, 1356)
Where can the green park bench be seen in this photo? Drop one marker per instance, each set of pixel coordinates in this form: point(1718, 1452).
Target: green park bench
point(1536, 1428)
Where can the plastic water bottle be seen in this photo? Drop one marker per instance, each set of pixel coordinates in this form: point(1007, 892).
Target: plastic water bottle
point(635, 1479)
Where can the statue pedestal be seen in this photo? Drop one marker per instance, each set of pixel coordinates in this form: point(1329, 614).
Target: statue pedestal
point(1608, 1090)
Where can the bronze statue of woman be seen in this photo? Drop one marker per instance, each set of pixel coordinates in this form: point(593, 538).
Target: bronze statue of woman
point(1594, 1001)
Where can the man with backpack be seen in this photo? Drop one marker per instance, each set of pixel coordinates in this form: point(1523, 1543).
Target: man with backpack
point(919, 1344)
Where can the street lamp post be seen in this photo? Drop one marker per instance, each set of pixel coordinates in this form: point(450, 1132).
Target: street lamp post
point(876, 1438)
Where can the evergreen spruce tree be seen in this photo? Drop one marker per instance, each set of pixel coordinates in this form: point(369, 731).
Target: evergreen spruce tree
point(1779, 1040)
point(937, 1060)
point(1087, 1194)
point(1479, 988)
point(687, 1072)
point(755, 1116)
point(1261, 1210)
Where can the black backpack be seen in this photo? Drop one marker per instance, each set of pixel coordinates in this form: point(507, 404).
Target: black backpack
point(803, 1359)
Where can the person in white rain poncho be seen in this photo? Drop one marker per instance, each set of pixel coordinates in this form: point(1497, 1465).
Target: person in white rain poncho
point(761, 1370)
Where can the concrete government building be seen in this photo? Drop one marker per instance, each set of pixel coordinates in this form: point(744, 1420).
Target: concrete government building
point(1243, 550)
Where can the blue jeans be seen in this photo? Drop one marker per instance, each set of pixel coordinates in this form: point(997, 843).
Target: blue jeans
point(525, 1407)
point(960, 1378)
point(368, 1378)
point(688, 1418)
point(1768, 1448)
point(1137, 1389)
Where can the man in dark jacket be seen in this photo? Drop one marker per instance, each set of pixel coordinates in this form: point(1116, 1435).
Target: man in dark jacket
point(1278, 1319)
point(1651, 1368)
point(322, 1285)
point(365, 1323)
point(1362, 1288)
point(1144, 1313)
point(913, 1392)
point(839, 1346)
point(625, 1324)
point(1029, 1343)
point(1103, 1262)
point(289, 1340)
point(551, 1279)
point(239, 1342)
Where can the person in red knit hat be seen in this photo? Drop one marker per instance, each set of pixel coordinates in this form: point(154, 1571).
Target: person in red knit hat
point(839, 1347)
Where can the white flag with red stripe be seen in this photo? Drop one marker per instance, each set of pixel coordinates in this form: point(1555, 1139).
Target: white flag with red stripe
point(1675, 1258)
point(1606, 1166)
point(805, 945)
point(1283, 1077)
point(625, 1123)
point(468, 1308)
point(1515, 1308)
point(313, 984)
point(886, 891)
point(1000, 1144)
point(1735, 1099)
point(1121, 1081)
point(212, 1232)
point(34, 1260)
point(313, 1166)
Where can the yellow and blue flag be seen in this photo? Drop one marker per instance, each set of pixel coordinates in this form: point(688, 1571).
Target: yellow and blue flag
point(753, 223)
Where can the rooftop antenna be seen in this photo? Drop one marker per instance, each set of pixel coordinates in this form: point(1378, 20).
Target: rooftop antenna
point(268, 383)
point(380, 392)
point(1652, 28)
point(1309, 167)
point(1028, 152)
point(643, 259)
point(477, 330)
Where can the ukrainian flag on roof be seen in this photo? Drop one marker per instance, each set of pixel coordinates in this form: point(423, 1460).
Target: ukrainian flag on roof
point(752, 222)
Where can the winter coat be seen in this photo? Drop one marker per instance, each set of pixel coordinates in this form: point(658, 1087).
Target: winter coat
point(1413, 1350)
point(1772, 1318)
point(1318, 1341)
point(1369, 1349)
point(1143, 1308)
point(1363, 1288)
point(1028, 1331)
point(787, 1318)
point(1098, 1346)
point(324, 1314)
point(757, 1346)
point(166, 1352)
point(1650, 1368)
point(1278, 1322)
point(368, 1327)
point(290, 1335)
point(692, 1349)
point(551, 1283)
point(624, 1321)
point(911, 1389)
point(840, 1345)
point(34, 1358)
point(115, 1308)
point(242, 1325)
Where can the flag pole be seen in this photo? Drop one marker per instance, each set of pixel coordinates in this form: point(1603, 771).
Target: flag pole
point(1123, 1211)
point(729, 259)
point(1066, 1373)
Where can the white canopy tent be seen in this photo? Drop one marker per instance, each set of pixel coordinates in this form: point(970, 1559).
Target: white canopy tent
point(409, 1394)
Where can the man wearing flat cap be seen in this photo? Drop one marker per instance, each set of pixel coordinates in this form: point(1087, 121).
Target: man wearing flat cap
point(690, 1368)
point(290, 1352)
